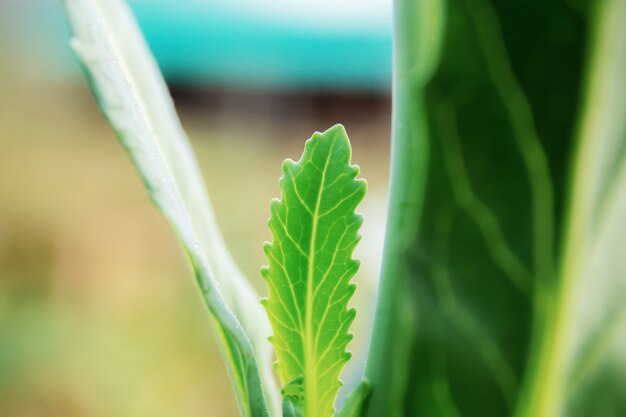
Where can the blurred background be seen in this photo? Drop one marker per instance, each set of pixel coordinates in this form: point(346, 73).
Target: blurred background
point(99, 314)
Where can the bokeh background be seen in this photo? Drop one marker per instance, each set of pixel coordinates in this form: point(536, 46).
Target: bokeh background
point(99, 314)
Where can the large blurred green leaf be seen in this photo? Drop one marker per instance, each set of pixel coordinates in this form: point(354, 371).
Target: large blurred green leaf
point(133, 96)
point(583, 365)
point(517, 284)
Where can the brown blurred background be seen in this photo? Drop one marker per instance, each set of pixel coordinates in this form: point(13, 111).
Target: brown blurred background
point(99, 314)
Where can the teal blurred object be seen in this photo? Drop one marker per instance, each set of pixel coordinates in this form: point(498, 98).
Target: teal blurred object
point(305, 45)
point(271, 45)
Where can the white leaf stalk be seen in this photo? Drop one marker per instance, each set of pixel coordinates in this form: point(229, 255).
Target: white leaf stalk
point(134, 97)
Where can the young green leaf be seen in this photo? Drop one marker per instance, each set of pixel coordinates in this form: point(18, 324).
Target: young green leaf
point(133, 96)
point(293, 394)
point(314, 230)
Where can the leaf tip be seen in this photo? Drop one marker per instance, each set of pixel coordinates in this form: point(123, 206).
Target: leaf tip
point(351, 289)
point(337, 128)
point(265, 273)
point(361, 183)
point(351, 314)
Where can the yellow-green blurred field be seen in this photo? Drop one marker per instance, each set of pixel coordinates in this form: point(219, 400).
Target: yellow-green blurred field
point(99, 315)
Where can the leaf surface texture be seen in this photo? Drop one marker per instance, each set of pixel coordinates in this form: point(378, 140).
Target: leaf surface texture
point(314, 230)
point(514, 270)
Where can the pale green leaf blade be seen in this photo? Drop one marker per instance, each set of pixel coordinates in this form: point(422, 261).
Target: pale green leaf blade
point(314, 229)
point(517, 288)
point(133, 96)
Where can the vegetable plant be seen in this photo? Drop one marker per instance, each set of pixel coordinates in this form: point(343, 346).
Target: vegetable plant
point(503, 284)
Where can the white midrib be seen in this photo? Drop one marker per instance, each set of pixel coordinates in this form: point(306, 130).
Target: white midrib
point(310, 359)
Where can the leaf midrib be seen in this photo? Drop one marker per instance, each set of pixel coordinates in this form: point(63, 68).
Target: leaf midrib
point(310, 378)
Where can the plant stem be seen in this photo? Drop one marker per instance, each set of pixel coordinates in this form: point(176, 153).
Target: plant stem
point(417, 34)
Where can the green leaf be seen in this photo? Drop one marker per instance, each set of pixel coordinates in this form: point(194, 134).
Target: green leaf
point(484, 262)
point(292, 407)
point(293, 395)
point(512, 263)
point(134, 98)
point(314, 230)
point(355, 401)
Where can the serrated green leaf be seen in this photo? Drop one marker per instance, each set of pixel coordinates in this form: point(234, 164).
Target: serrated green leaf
point(133, 96)
point(314, 229)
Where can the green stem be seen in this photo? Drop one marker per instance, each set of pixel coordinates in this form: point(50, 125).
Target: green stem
point(417, 34)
